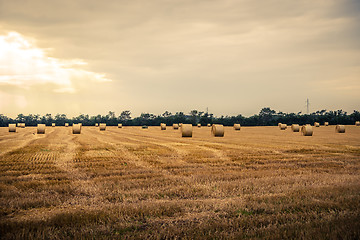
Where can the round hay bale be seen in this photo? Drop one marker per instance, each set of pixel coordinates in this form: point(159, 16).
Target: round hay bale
point(162, 126)
point(357, 123)
point(23, 125)
point(53, 124)
point(316, 124)
point(144, 127)
point(307, 130)
point(76, 128)
point(217, 130)
point(209, 125)
point(295, 127)
point(340, 128)
point(66, 124)
point(12, 127)
point(279, 124)
point(120, 125)
point(186, 130)
point(180, 124)
point(96, 124)
point(102, 126)
point(237, 126)
point(175, 126)
point(18, 124)
point(326, 124)
point(41, 129)
point(283, 126)
point(199, 125)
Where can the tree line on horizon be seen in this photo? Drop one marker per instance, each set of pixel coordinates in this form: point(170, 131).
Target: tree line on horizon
point(266, 117)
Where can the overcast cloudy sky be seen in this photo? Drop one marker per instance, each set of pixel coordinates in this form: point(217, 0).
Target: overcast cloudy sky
point(232, 56)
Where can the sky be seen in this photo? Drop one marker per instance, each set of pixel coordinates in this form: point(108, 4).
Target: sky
point(230, 56)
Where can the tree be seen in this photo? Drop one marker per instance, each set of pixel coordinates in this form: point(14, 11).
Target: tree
point(125, 116)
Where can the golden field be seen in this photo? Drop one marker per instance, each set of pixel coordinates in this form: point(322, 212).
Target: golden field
point(128, 183)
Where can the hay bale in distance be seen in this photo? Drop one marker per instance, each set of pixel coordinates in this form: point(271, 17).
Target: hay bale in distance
point(217, 130)
point(18, 124)
point(357, 123)
point(307, 130)
point(162, 126)
point(180, 124)
point(295, 127)
point(199, 125)
point(209, 125)
point(41, 129)
point(340, 128)
point(326, 124)
point(96, 124)
point(102, 126)
point(175, 126)
point(316, 124)
point(186, 130)
point(237, 126)
point(144, 127)
point(12, 127)
point(76, 128)
point(120, 125)
point(22, 125)
point(279, 124)
point(66, 124)
point(53, 124)
point(283, 126)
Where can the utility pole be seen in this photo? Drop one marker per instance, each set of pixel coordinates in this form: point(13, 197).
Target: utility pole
point(307, 105)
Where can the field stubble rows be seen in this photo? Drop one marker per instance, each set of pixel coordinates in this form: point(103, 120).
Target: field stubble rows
point(259, 182)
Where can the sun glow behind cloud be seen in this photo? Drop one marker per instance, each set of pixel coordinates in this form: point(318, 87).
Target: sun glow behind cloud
point(24, 65)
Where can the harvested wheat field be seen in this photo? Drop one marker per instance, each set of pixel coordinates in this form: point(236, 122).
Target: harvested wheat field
point(259, 182)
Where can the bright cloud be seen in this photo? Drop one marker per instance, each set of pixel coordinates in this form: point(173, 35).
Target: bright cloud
point(23, 64)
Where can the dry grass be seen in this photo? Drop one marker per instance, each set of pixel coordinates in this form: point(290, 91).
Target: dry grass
point(129, 183)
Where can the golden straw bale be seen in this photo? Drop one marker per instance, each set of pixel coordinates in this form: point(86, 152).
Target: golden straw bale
point(102, 126)
point(307, 130)
point(12, 127)
point(186, 130)
point(175, 126)
point(283, 126)
point(162, 126)
point(237, 126)
point(76, 128)
point(41, 129)
point(357, 123)
point(295, 127)
point(340, 128)
point(53, 124)
point(120, 125)
point(217, 130)
point(316, 124)
point(326, 124)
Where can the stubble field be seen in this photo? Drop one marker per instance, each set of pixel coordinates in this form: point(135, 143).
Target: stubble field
point(259, 182)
